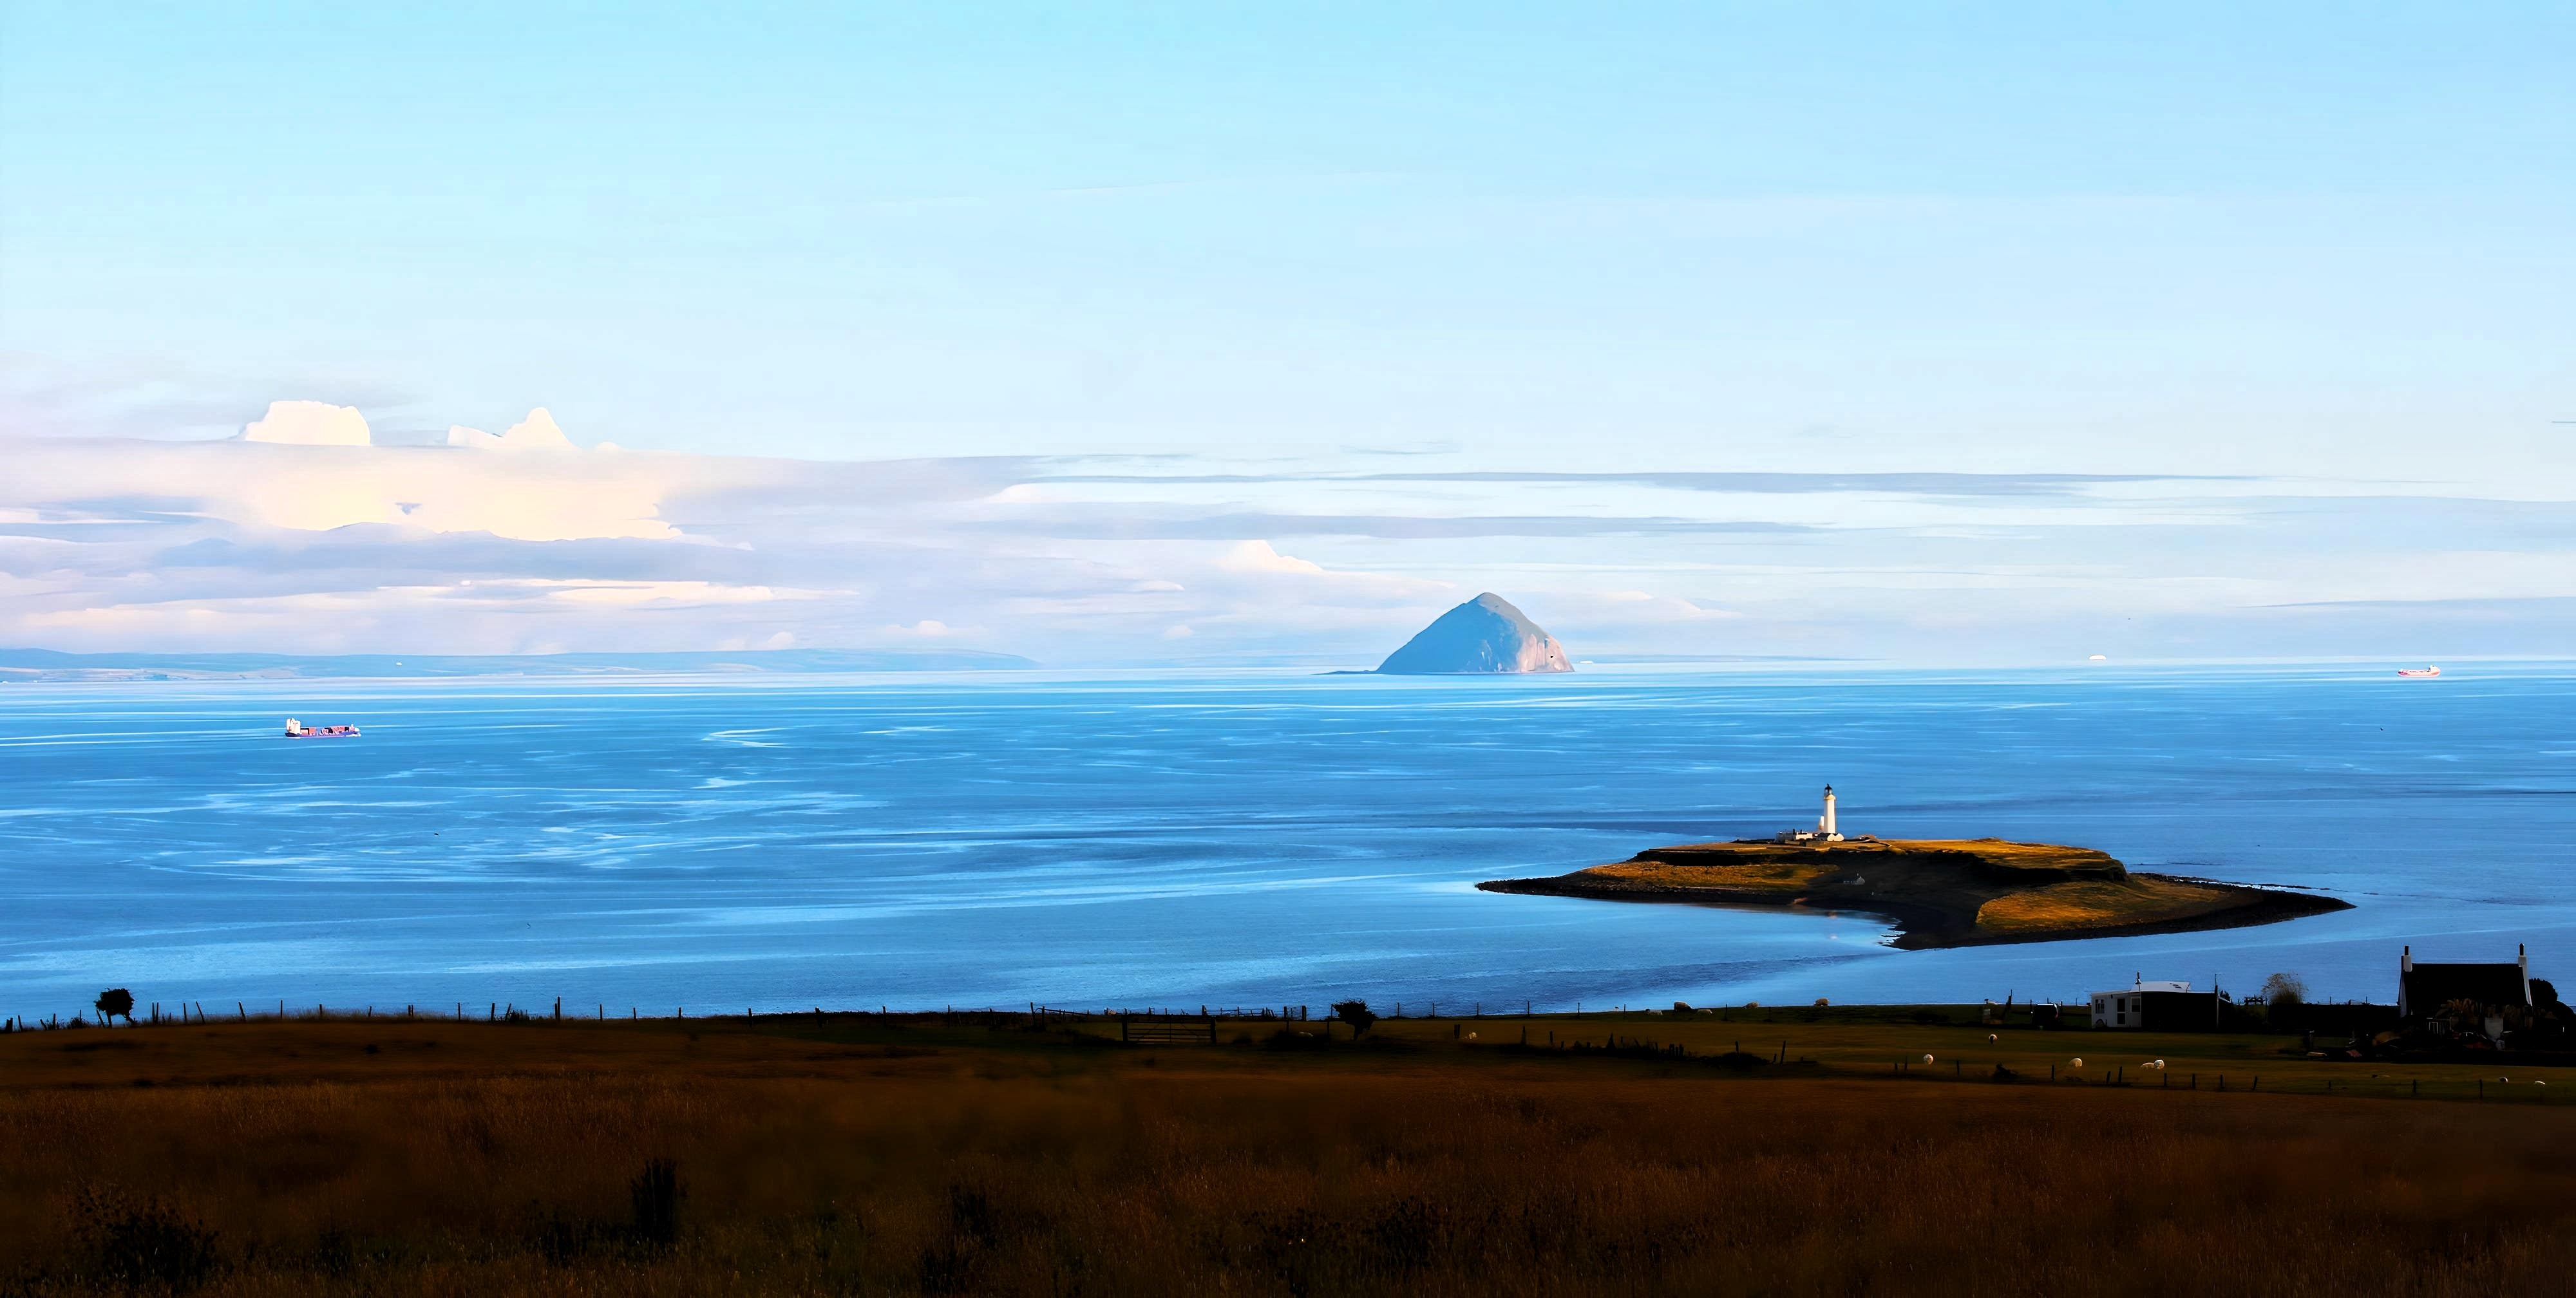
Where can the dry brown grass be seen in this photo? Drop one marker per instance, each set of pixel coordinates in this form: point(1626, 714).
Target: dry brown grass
point(2091, 903)
point(1858, 852)
point(1789, 877)
point(471, 1160)
point(2019, 856)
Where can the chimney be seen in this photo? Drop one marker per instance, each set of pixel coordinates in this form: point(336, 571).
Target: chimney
point(2405, 966)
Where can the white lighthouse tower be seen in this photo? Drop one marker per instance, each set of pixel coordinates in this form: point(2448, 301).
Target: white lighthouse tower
point(1826, 830)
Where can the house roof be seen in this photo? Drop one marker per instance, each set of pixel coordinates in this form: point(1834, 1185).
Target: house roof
point(2428, 987)
point(2147, 985)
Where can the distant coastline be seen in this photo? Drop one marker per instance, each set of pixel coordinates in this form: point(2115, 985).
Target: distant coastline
point(53, 665)
point(1940, 893)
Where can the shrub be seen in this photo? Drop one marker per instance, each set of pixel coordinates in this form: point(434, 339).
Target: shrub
point(1355, 1013)
point(2285, 989)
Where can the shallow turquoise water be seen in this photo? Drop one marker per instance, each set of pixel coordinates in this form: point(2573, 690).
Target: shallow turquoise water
point(1260, 838)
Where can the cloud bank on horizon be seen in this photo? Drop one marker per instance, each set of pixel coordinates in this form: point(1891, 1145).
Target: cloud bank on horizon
point(303, 534)
point(1113, 334)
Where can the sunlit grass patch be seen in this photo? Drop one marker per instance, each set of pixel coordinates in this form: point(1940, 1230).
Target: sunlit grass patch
point(2091, 903)
point(1785, 876)
point(2018, 856)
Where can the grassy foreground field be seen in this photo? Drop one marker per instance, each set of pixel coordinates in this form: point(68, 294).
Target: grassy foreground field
point(854, 1155)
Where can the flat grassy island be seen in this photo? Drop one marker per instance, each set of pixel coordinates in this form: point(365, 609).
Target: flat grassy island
point(1941, 892)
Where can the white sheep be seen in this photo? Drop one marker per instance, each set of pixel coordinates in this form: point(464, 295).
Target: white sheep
point(1927, 1059)
point(2079, 1062)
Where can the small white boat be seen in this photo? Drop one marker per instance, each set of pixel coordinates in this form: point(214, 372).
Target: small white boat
point(2420, 673)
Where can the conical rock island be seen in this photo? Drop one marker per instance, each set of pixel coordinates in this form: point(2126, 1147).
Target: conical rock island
point(1484, 635)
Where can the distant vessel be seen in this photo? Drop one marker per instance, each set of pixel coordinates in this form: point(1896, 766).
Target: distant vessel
point(2419, 671)
point(298, 730)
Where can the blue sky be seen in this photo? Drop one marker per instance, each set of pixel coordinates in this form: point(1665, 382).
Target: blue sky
point(2322, 253)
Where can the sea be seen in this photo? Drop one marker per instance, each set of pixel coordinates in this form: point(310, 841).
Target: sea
point(707, 845)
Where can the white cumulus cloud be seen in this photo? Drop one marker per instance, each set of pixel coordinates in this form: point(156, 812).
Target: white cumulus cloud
point(537, 432)
point(309, 423)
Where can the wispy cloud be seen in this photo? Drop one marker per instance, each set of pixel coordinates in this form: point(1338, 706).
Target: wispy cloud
point(1912, 484)
point(531, 540)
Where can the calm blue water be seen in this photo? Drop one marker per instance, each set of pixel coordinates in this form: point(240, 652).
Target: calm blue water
point(1249, 839)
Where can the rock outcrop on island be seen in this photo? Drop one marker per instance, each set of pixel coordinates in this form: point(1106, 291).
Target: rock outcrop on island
point(1485, 635)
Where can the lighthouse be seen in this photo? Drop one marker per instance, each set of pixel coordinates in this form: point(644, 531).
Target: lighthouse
point(1826, 830)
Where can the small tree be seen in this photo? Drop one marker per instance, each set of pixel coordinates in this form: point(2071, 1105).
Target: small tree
point(115, 1002)
point(1355, 1013)
point(2285, 989)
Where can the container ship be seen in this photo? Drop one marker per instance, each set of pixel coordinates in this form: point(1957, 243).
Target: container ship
point(298, 730)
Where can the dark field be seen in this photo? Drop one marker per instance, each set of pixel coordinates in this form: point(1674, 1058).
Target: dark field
point(846, 1155)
